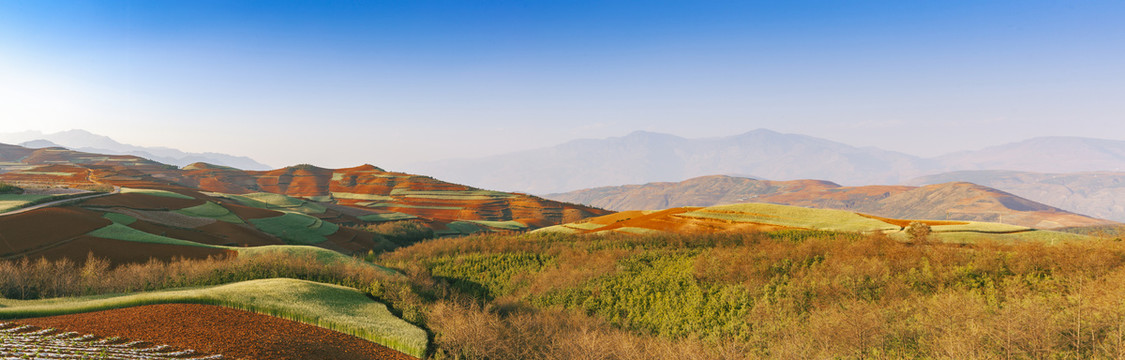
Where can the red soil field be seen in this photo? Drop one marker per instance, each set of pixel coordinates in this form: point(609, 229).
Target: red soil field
point(77, 175)
point(219, 330)
point(194, 235)
point(119, 252)
point(350, 241)
point(142, 202)
point(247, 213)
point(40, 228)
point(240, 235)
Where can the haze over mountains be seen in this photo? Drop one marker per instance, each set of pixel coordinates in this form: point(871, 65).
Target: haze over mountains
point(85, 141)
point(1098, 194)
point(946, 201)
point(643, 157)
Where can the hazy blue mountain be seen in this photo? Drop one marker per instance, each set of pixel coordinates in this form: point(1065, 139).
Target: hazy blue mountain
point(1098, 194)
point(1058, 154)
point(82, 140)
point(642, 157)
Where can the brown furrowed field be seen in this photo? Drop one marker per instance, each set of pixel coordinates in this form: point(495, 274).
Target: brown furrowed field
point(234, 334)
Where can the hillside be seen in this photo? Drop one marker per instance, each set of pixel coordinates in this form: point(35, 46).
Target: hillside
point(949, 201)
point(1098, 194)
point(750, 217)
point(367, 194)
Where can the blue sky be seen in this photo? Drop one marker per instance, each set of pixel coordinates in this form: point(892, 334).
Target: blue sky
point(339, 83)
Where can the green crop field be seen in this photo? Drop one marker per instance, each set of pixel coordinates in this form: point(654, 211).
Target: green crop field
point(792, 216)
point(413, 206)
point(121, 232)
point(387, 217)
point(212, 210)
point(503, 225)
point(273, 201)
point(154, 192)
point(983, 227)
point(1043, 236)
point(451, 193)
point(354, 196)
point(120, 218)
point(560, 229)
point(333, 307)
point(297, 228)
point(47, 173)
point(10, 202)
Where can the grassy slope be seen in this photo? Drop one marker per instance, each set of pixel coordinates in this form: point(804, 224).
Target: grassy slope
point(273, 201)
point(297, 228)
point(118, 231)
point(15, 201)
point(387, 217)
point(792, 216)
point(212, 210)
point(155, 192)
point(334, 307)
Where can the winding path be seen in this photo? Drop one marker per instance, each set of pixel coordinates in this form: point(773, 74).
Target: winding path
point(116, 190)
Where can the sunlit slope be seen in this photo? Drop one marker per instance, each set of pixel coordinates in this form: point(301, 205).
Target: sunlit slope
point(770, 217)
point(946, 201)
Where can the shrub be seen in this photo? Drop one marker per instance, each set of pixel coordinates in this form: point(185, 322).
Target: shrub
point(6, 188)
point(919, 232)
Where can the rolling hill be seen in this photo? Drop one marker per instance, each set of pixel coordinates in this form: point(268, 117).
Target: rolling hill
point(947, 201)
point(772, 217)
point(1098, 194)
point(364, 194)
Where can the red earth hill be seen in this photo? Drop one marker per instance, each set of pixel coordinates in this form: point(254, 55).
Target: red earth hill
point(366, 189)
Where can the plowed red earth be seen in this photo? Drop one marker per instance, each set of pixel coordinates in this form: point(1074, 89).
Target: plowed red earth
point(142, 202)
point(39, 228)
point(120, 252)
point(218, 330)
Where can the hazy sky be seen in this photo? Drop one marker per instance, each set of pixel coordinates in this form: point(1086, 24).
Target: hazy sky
point(349, 82)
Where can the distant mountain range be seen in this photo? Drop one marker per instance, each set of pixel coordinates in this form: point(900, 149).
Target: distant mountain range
point(946, 201)
point(643, 157)
point(85, 141)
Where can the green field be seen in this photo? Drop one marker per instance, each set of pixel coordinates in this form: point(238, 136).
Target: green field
point(502, 225)
point(120, 218)
point(792, 216)
point(297, 228)
point(10, 202)
point(155, 192)
point(212, 210)
point(118, 231)
point(375, 205)
point(333, 307)
point(982, 227)
point(354, 196)
point(273, 201)
point(393, 216)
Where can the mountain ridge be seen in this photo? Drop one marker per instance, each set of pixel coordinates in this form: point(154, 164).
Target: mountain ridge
point(945, 201)
point(85, 141)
